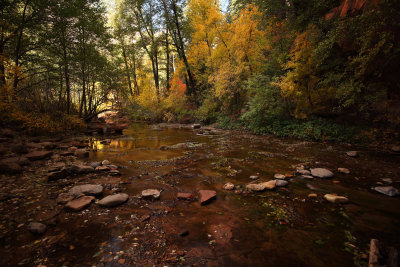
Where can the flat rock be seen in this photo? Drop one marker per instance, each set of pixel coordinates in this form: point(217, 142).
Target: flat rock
point(10, 167)
point(151, 193)
point(22, 161)
point(81, 153)
point(270, 184)
point(38, 155)
point(80, 203)
point(114, 200)
point(344, 170)
point(94, 165)
point(255, 187)
point(102, 168)
point(57, 175)
point(387, 190)
point(206, 196)
point(64, 198)
point(352, 154)
point(387, 180)
point(280, 183)
point(303, 172)
point(185, 196)
point(37, 228)
point(228, 186)
point(80, 168)
point(114, 173)
point(279, 176)
point(333, 198)
point(321, 173)
point(307, 177)
point(86, 189)
point(19, 148)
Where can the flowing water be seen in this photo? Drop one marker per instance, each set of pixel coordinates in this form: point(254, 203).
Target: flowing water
point(282, 227)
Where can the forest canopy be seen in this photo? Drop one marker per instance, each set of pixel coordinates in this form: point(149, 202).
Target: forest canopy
point(304, 68)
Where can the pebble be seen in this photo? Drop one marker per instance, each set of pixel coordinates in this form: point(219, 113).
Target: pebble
point(321, 173)
point(206, 196)
point(114, 200)
point(105, 162)
point(37, 228)
point(270, 184)
point(280, 183)
point(86, 189)
point(333, 198)
point(151, 193)
point(185, 196)
point(344, 170)
point(352, 154)
point(279, 176)
point(303, 172)
point(255, 187)
point(312, 195)
point(387, 190)
point(80, 203)
point(228, 186)
point(254, 177)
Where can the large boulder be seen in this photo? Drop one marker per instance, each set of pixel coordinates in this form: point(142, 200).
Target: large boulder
point(38, 155)
point(387, 190)
point(86, 189)
point(80, 203)
point(114, 200)
point(321, 173)
point(206, 196)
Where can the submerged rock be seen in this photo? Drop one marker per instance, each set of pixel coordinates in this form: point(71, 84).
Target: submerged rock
point(86, 189)
point(37, 228)
point(333, 198)
point(114, 200)
point(185, 196)
point(80, 203)
point(64, 198)
point(151, 193)
point(228, 186)
point(280, 183)
point(10, 167)
point(387, 190)
point(81, 153)
point(344, 170)
point(321, 173)
point(38, 155)
point(206, 196)
point(303, 172)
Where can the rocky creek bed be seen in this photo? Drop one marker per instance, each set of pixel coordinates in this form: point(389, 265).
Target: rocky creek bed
point(171, 194)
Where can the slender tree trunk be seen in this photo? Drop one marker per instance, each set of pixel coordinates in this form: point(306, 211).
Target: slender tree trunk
point(167, 52)
point(18, 46)
point(66, 72)
point(127, 68)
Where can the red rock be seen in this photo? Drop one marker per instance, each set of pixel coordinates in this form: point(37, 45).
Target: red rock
point(206, 196)
point(80, 203)
point(185, 196)
point(38, 155)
